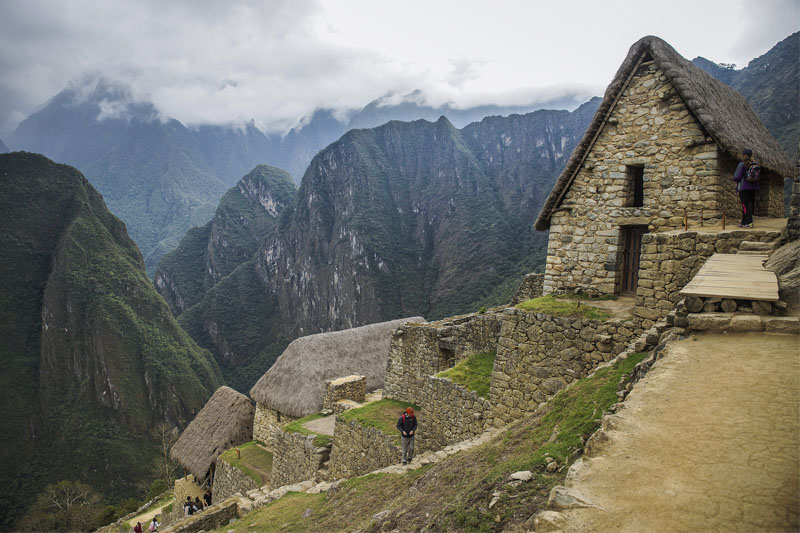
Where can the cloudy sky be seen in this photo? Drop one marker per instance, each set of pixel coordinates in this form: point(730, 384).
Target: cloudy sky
point(274, 61)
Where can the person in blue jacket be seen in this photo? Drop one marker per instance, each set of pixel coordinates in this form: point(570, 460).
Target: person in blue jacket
point(746, 188)
point(407, 425)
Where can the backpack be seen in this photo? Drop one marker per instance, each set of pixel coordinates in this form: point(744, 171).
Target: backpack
point(152, 526)
point(753, 173)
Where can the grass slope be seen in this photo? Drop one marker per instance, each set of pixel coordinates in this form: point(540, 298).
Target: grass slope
point(454, 495)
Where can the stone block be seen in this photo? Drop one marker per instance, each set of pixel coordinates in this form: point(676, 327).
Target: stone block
point(746, 323)
point(781, 324)
point(709, 321)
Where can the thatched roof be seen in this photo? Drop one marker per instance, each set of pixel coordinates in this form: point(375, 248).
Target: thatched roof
point(722, 112)
point(225, 421)
point(295, 385)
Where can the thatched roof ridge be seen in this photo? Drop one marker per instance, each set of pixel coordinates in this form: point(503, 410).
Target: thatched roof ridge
point(295, 385)
point(722, 112)
point(225, 421)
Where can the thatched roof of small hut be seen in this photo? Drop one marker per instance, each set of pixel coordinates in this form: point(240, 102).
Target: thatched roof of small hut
point(722, 112)
point(225, 421)
point(295, 385)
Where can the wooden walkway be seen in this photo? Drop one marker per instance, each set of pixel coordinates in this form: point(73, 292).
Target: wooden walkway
point(735, 276)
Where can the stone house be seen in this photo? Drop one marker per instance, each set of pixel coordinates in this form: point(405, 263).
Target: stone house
point(296, 385)
point(224, 422)
point(662, 146)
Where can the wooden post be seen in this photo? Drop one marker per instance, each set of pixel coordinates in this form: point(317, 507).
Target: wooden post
point(723, 220)
point(238, 453)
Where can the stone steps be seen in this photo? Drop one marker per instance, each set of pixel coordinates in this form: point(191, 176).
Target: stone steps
point(753, 247)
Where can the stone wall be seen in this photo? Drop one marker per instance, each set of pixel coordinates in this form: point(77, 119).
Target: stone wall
point(793, 224)
point(358, 450)
point(683, 172)
point(228, 480)
point(538, 355)
point(266, 422)
point(352, 388)
point(531, 287)
point(215, 516)
point(296, 458)
point(452, 413)
point(417, 351)
point(670, 260)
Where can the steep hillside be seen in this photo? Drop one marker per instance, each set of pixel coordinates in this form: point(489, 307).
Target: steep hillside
point(92, 359)
point(245, 216)
point(406, 219)
point(771, 85)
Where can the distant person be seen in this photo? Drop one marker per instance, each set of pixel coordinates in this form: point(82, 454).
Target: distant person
point(198, 504)
point(187, 506)
point(207, 498)
point(407, 425)
point(137, 528)
point(154, 524)
point(746, 177)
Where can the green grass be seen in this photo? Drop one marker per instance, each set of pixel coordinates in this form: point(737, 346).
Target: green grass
point(558, 307)
point(474, 373)
point(381, 415)
point(297, 427)
point(585, 296)
point(255, 461)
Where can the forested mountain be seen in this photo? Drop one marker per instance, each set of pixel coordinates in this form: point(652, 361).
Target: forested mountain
point(246, 215)
point(771, 85)
point(92, 359)
point(163, 178)
point(414, 218)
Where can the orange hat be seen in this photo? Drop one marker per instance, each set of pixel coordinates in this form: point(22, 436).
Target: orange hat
point(409, 411)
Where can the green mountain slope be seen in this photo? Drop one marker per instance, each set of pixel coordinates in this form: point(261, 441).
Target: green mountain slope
point(405, 219)
point(92, 359)
point(771, 85)
point(245, 216)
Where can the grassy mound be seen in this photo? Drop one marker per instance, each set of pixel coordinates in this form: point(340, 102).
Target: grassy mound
point(381, 415)
point(474, 373)
point(297, 427)
point(255, 461)
point(552, 306)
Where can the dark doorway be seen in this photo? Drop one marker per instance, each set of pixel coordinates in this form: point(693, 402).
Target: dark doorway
point(632, 247)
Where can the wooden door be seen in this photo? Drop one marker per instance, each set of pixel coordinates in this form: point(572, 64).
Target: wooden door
point(632, 239)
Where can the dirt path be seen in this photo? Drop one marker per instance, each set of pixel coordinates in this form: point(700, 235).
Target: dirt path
point(708, 440)
point(146, 517)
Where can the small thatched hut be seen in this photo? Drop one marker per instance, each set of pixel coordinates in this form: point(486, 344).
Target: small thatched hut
point(224, 422)
point(662, 146)
point(295, 385)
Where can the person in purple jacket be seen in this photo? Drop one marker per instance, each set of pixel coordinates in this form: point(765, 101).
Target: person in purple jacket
point(747, 189)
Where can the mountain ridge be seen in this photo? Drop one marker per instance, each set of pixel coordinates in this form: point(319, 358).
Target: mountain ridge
point(92, 358)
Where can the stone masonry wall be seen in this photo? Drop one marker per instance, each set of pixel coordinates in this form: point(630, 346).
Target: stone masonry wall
point(266, 422)
point(417, 351)
point(670, 260)
point(453, 413)
point(347, 388)
point(651, 128)
point(538, 355)
point(358, 450)
point(296, 458)
point(531, 287)
point(229, 480)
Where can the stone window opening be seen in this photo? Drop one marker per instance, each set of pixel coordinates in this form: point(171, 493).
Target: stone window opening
point(447, 359)
point(634, 185)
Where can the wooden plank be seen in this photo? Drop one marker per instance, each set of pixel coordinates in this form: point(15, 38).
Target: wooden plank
point(741, 277)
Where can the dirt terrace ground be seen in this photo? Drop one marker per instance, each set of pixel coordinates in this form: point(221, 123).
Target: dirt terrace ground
point(709, 440)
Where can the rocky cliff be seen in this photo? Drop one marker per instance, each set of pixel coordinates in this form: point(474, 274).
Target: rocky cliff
point(410, 218)
point(245, 216)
